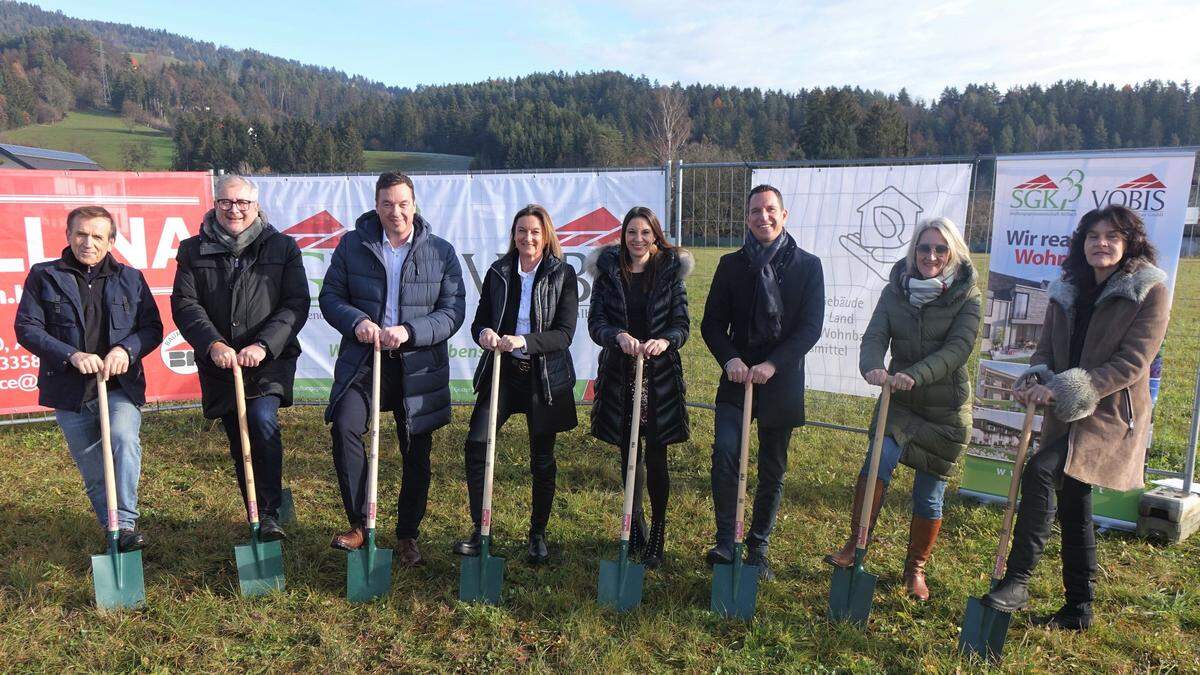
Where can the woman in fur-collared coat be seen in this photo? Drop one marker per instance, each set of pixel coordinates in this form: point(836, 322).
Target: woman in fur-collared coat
point(1105, 324)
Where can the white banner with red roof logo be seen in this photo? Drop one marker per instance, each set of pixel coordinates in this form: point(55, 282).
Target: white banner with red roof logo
point(472, 212)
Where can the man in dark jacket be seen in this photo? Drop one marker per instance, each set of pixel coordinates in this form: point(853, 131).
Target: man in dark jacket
point(391, 278)
point(241, 296)
point(87, 314)
point(763, 341)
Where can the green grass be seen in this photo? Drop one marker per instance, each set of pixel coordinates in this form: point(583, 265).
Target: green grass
point(1148, 604)
point(379, 161)
point(101, 136)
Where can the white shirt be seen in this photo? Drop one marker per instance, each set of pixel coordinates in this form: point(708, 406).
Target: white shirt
point(393, 263)
point(524, 308)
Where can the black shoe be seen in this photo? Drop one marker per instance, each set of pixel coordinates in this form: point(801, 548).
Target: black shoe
point(719, 555)
point(538, 553)
point(269, 530)
point(652, 554)
point(758, 558)
point(470, 546)
point(1069, 617)
point(130, 540)
point(1010, 595)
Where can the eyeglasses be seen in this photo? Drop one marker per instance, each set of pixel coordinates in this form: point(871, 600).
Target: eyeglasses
point(228, 204)
point(939, 249)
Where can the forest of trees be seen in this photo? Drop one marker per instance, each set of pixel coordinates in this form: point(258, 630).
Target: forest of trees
point(241, 109)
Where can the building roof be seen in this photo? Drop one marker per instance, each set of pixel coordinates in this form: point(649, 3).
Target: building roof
point(42, 158)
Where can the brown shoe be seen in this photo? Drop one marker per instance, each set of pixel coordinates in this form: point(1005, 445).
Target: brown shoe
point(409, 554)
point(921, 536)
point(350, 540)
point(844, 557)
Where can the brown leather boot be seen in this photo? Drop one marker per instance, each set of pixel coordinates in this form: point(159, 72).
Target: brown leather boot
point(844, 557)
point(408, 553)
point(350, 540)
point(922, 534)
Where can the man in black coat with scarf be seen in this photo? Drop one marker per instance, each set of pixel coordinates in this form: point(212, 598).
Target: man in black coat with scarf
point(762, 341)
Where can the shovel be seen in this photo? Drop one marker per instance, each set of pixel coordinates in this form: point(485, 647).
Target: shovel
point(984, 629)
point(259, 563)
point(735, 585)
point(853, 589)
point(369, 569)
point(621, 580)
point(117, 576)
point(482, 577)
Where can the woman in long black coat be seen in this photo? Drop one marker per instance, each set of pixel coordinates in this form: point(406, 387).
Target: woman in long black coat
point(639, 306)
point(527, 312)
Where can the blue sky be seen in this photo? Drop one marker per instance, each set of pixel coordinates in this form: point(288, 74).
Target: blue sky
point(924, 46)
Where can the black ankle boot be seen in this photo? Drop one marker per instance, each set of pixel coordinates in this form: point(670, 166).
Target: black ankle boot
point(637, 535)
point(652, 555)
point(1010, 595)
point(1071, 616)
point(538, 553)
point(470, 546)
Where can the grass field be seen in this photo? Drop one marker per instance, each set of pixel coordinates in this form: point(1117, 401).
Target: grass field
point(101, 136)
point(1148, 605)
point(379, 161)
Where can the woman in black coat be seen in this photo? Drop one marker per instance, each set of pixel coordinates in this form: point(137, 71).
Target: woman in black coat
point(639, 306)
point(526, 316)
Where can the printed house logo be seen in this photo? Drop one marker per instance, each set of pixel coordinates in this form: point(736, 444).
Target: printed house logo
point(597, 228)
point(885, 225)
point(1146, 194)
point(177, 355)
point(1043, 194)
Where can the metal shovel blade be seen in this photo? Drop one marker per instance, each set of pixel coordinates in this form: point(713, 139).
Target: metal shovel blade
point(481, 578)
point(118, 580)
point(735, 589)
point(621, 582)
point(260, 566)
point(368, 571)
point(287, 507)
point(984, 630)
point(852, 592)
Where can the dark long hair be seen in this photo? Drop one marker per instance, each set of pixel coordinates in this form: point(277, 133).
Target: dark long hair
point(660, 242)
point(1124, 220)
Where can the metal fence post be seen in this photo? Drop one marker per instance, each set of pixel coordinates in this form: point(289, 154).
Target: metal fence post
point(1189, 464)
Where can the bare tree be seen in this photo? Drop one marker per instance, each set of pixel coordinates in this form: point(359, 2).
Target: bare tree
point(668, 124)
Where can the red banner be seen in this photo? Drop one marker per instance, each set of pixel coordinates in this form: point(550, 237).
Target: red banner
point(154, 212)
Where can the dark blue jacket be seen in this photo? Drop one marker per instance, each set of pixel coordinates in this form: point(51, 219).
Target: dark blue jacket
point(432, 305)
point(50, 325)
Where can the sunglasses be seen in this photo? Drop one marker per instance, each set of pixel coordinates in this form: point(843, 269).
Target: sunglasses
point(939, 249)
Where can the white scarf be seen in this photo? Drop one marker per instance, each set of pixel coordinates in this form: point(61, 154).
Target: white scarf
point(922, 291)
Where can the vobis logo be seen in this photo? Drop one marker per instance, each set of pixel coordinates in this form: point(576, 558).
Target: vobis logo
point(597, 228)
point(1146, 194)
point(1043, 194)
point(317, 236)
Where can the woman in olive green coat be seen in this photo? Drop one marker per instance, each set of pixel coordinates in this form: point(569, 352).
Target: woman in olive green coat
point(929, 315)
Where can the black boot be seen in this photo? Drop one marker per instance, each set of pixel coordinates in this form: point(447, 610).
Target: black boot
point(470, 546)
point(1078, 557)
point(637, 534)
point(538, 551)
point(756, 555)
point(652, 554)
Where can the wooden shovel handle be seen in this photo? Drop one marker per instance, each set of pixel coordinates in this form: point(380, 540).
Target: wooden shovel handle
point(864, 516)
point(485, 526)
point(632, 458)
point(1014, 488)
point(110, 474)
point(743, 462)
point(373, 458)
point(239, 396)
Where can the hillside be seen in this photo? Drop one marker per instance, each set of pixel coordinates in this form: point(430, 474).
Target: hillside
point(104, 137)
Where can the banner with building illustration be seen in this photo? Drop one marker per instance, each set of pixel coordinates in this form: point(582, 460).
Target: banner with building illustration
point(1039, 200)
point(472, 212)
point(859, 221)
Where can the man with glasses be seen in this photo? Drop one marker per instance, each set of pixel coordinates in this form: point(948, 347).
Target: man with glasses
point(241, 296)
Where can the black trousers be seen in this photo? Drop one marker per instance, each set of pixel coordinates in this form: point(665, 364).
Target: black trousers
point(352, 419)
point(516, 396)
point(266, 452)
point(1043, 483)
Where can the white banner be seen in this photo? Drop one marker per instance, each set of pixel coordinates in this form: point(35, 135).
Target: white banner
point(858, 221)
point(474, 213)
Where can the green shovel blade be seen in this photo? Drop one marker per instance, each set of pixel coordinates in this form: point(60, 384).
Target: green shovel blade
point(735, 588)
point(287, 507)
point(368, 572)
point(260, 566)
point(621, 583)
point(481, 578)
point(118, 580)
point(852, 592)
point(984, 630)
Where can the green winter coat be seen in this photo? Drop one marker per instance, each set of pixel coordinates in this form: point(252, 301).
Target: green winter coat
point(932, 422)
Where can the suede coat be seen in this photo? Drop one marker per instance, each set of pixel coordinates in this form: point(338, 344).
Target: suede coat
point(1103, 405)
point(931, 344)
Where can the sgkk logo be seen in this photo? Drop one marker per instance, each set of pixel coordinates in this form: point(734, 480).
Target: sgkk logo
point(1147, 194)
point(1043, 194)
point(177, 354)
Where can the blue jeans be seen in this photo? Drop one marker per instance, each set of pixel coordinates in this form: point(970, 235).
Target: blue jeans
point(82, 433)
point(772, 464)
point(928, 490)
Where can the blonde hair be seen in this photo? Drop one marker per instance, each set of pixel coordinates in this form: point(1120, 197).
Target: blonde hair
point(537, 211)
point(959, 253)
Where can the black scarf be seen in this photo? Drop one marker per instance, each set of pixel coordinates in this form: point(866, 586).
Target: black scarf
point(766, 319)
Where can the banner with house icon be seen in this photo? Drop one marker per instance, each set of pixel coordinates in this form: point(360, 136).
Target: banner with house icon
point(473, 212)
point(1039, 200)
point(859, 222)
